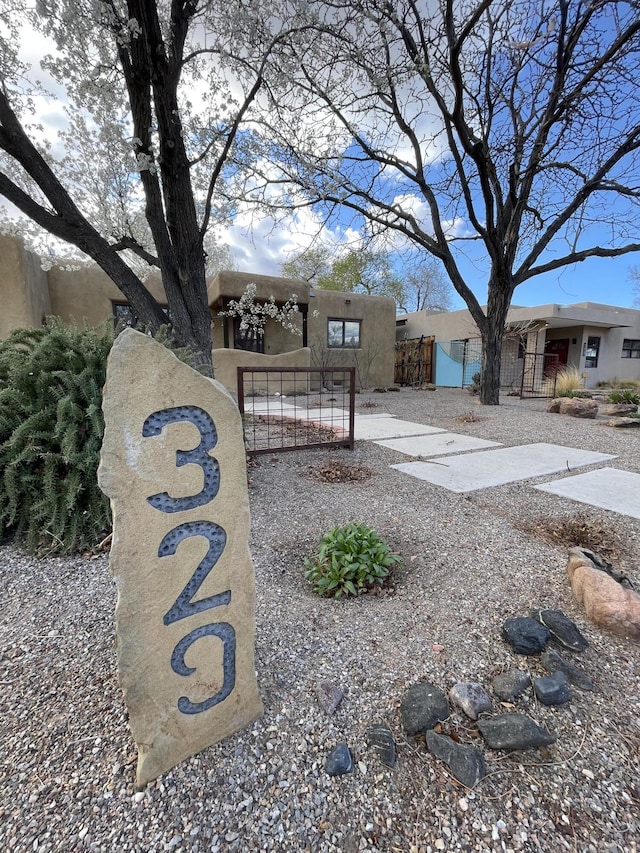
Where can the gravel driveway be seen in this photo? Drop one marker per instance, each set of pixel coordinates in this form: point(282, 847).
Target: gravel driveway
point(472, 561)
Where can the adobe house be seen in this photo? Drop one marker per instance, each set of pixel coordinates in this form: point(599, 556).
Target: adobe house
point(600, 341)
point(336, 329)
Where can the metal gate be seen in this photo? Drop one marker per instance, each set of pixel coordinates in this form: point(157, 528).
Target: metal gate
point(289, 408)
point(539, 374)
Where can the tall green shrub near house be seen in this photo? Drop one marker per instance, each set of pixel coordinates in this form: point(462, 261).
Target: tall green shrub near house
point(51, 429)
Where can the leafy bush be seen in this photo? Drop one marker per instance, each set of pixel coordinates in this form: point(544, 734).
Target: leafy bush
point(568, 382)
point(51, 429)
point(351, 559)
point(624, 395)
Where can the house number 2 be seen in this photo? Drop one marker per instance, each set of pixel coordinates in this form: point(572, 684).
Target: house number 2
point(185, 605)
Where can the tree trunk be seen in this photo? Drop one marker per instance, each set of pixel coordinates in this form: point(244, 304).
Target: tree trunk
point(492, 332)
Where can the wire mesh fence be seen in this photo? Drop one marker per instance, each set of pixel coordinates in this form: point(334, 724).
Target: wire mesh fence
point(289, 408)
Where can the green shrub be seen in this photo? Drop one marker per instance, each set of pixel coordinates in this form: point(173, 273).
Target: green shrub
point(568, 382)
point(624, 395)
point(351, 559)
point(51, 429)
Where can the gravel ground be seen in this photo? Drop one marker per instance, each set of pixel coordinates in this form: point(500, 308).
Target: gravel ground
point(68, 761)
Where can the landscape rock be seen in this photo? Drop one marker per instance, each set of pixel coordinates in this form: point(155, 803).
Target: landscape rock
point(509, 685)
point(525, 635)
point(624, 423)
point(185, 654)
point(513, 731)
point(329, 696)
point(576, 407)
point(381, 740)
point(563, 629)
point(552, 689)
point(619, 409)
point(466, 763)
point(471, 697)
point(423, 706)
point(339, 761)
point(554, 662)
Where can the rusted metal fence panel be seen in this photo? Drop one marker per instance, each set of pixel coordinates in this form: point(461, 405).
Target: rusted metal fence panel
point(414, 360)
point(539, 374)
point(290, 408)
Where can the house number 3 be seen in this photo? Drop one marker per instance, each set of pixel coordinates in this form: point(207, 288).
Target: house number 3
point(185, 605)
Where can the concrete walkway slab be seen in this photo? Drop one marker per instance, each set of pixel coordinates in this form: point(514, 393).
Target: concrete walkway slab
point(471, 471)
point(606, 488)
point(268, 406)
point(375, 428)
point(437, 444)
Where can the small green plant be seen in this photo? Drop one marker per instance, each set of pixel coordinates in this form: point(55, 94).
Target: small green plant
point(568, 382)
point(351, 559)
point(624, 395)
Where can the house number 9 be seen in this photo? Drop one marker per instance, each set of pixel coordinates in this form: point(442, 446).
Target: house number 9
point(185, 606)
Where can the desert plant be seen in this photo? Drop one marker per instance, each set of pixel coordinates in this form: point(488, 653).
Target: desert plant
point(476, 381)
point(568, 382)
point(350, 560)
point(624, 395)
point(51, 429)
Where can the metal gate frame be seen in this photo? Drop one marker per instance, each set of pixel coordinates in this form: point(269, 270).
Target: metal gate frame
point(539, 375)
point(274, 423)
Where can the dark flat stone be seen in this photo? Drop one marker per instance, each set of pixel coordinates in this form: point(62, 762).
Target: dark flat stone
point(563, 630)
point(465, 762)
point(553, 662)
point(552, 689)
point(339, 761)
point(513, 731)
point(422, 707)
point(381, 740)
point(525, 635)
point(509, 685)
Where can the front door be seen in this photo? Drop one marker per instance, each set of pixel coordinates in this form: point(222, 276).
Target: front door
point(559, 347)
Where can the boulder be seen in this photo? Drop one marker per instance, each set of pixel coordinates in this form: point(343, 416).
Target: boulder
point(624, 423)
point(576, 407)
point(471, 698)
point(619, 409)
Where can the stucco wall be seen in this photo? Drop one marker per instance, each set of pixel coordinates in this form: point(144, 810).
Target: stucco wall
point(226, 362)
point(86, 296)
point(374, 359)
point(24, 296)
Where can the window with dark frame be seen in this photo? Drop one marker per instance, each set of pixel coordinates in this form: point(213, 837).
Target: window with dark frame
point(248, 339)
point(123, 314)
point(631, 348)
point(343, 333)
point(593, 351)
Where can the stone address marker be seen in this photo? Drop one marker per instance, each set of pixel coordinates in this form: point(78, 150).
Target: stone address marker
point(173, 465)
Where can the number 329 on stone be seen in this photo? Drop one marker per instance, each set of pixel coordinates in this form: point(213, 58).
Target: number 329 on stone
point(185, 606)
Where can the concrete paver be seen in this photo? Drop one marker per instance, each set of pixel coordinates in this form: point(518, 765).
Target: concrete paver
point(437, 444)
point(469, 472)
point(606, 488)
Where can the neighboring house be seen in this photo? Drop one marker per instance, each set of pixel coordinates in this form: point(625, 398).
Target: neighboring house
point(600, 341)
point(337, 329)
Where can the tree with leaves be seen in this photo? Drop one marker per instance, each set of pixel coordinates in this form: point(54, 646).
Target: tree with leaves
point(135, 179)
point(352, 271)
point(499, 137)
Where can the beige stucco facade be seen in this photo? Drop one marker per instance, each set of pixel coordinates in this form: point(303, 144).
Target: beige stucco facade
point(86, 296)
point(598, 340)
